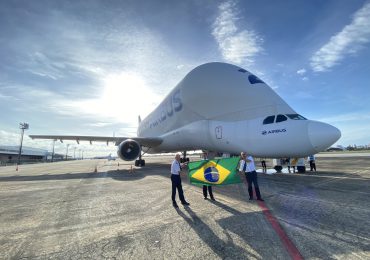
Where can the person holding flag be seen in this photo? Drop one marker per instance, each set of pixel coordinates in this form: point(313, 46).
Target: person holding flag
point(176, 182)
point(209, 187)
point(246, 165)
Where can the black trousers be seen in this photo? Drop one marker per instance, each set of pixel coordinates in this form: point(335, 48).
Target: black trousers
point(209, 191)
point(176, 184)
point(264, 166)
point(312, 165)
point(252, 178)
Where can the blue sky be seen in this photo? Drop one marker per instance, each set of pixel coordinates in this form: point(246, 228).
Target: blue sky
point(90, 67)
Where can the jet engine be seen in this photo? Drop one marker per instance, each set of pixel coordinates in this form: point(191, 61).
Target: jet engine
point(129, 150)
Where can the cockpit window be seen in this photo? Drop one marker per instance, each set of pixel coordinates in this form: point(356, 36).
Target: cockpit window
point(269, 120)
point(296, 117)
point(281, 118)
point(242, 70)
point(253, 79)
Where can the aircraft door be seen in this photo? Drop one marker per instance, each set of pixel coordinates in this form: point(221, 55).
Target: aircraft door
point(218, 132)
point(221, 134)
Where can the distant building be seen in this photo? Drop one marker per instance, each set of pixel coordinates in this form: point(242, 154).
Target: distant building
point(9, 154)
point(334, 149)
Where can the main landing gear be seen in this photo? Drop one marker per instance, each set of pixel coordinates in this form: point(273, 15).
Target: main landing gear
point(140, 162)
point(184, 159)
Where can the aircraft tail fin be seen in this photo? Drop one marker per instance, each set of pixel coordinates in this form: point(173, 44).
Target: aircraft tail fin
point(139, 119)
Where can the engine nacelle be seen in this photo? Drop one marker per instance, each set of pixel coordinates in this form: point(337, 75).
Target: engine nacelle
point(129, 150)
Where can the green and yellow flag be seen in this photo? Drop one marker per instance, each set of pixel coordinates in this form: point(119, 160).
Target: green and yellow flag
point(214, 172)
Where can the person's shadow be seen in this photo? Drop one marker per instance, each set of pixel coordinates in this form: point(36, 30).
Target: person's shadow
point(248, 226)
point(223, 249)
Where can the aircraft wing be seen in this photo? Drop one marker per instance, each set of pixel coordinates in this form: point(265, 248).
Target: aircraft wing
point(144, 141)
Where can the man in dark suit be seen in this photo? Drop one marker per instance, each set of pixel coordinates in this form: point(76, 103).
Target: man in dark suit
point(205, 187)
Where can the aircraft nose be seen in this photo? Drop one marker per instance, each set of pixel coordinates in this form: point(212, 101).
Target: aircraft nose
point(322, 135)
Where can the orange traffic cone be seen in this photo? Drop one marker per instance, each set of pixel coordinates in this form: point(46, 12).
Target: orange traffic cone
point(131, 169)
point(96, 169)
point(16, 168)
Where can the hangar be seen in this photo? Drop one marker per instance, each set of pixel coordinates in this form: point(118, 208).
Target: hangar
point(9, 154)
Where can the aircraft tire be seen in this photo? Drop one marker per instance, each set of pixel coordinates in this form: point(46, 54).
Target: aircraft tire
point(136, 162)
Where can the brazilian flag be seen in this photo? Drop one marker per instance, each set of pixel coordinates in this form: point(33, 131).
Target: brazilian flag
point(214, 172)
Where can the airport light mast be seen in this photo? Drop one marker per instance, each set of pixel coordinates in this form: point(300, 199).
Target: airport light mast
point(22, 126)
point(67, 152)
point(52, 155)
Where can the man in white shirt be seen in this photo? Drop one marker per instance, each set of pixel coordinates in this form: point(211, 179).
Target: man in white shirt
point(176, 182)
point(246, 165)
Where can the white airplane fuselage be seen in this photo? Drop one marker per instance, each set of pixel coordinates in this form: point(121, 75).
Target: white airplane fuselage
point(222, 107)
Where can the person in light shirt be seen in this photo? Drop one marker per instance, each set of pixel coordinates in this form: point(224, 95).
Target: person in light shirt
point(246, 165)
point(176, 182)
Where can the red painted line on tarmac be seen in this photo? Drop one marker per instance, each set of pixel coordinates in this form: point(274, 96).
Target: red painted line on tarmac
point(290, 247)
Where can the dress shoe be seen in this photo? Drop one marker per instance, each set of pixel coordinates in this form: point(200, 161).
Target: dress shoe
point(212, 198)
point(185, 203)
point(175, 205)
point(205, 198)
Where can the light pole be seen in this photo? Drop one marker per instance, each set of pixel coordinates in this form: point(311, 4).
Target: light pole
point(22, 126)
point(82, 154)
point(67, 152)
point(52, 155)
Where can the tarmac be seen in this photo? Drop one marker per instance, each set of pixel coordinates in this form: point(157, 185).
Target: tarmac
point(66, 210)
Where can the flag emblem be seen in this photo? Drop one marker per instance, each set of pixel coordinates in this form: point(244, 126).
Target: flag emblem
point(211, 174)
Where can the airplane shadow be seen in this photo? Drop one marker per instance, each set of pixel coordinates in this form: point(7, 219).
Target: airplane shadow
point(120, 175)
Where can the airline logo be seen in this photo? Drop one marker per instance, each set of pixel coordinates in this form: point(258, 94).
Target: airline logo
point(275, 131)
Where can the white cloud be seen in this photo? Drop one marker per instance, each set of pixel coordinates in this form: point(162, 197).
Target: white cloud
point(236, 46)
point(349, 117)
point(354, 127)
point(100, 124)
point(2, 96)
point(301, 72)
point(348, 41)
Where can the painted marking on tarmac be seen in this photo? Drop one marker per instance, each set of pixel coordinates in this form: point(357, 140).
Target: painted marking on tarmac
point(289, 245)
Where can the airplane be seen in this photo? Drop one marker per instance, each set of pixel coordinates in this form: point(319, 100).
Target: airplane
point(223, 108)
point(109, 157)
